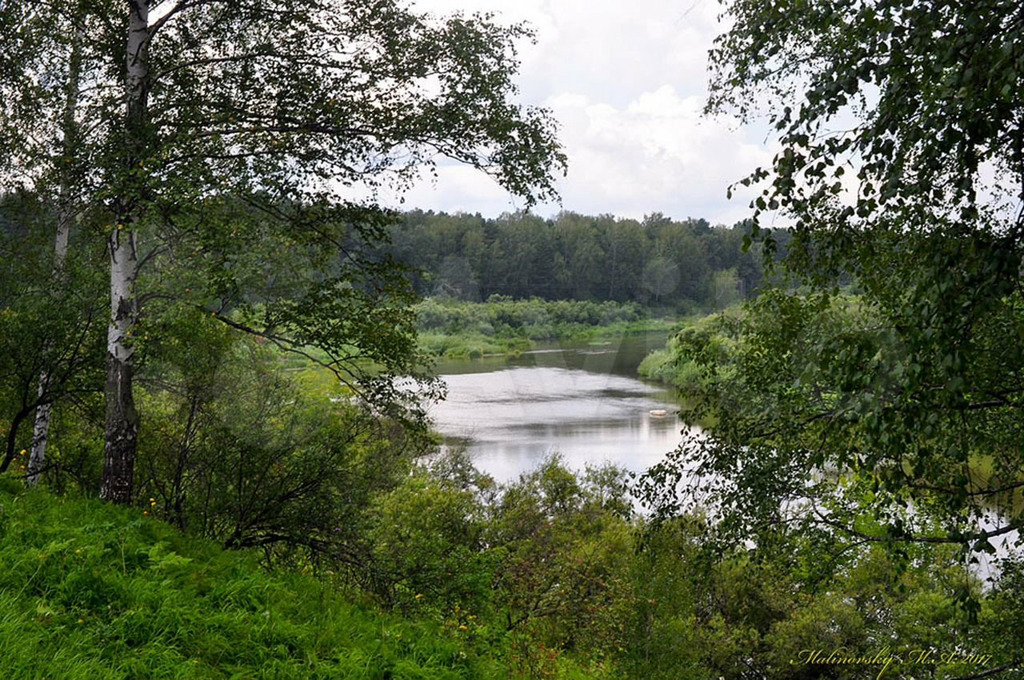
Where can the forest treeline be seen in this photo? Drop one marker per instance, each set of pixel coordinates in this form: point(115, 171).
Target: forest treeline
point(684, 265)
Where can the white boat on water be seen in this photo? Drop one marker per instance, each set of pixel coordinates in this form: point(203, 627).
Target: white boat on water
point(658, 412)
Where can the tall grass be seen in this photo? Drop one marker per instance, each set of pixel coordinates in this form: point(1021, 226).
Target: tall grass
point(92, 591)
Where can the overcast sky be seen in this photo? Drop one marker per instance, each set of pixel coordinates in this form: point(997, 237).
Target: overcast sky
point(627, 81)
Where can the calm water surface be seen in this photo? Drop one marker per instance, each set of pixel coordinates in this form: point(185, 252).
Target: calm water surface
point(584, 402)
point(581, 401)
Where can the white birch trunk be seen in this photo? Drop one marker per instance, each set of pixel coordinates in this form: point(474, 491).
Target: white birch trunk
point(122, 422)
point(65, 215)
point(41, 429)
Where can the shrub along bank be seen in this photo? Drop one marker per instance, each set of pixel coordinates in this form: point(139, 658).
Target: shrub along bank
point(454, 328)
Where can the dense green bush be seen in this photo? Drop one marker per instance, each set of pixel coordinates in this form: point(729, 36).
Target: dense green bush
point(427, 546)
point(694, 353)
point(501, 325)
point(551, 576)
point(534, 318)
point(236, 449)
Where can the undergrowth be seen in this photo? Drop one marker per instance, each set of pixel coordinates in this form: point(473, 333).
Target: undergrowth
point(92, 591)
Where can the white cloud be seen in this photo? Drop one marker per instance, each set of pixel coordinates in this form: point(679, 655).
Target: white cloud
point(658, 153)
point(627, 83)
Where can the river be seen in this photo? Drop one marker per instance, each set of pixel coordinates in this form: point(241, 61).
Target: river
point(583, 401)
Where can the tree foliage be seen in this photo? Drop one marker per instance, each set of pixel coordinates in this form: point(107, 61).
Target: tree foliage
point(657, 261)
point(900, 164)
point(237, 450)
point(48, 329)
point(192, 122)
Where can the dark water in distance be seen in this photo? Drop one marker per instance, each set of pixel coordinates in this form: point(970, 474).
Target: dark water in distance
point(582, 401)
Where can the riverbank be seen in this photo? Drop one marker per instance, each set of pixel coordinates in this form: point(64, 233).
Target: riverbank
point(677, 365)
point(501, 326)
point(92, 590)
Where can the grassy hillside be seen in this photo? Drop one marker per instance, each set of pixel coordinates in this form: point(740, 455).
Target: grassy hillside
point(91, 591)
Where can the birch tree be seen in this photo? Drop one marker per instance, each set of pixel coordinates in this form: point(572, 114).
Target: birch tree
point(284, 105)
point(42, 159)
point(901, 165)
point(66, 208)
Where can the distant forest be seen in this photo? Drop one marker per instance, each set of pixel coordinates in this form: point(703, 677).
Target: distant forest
point(685, 265)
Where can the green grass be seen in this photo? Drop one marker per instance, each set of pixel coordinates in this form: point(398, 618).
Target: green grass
point(469, 345)
point(92, 591)
point(458, 329)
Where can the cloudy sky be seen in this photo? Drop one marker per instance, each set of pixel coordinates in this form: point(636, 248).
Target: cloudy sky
point(627, 82)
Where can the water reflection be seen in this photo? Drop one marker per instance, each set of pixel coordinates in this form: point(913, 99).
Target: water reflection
point(582, 402)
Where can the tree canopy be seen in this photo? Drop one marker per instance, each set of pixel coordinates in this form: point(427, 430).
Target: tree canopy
point(656, 261)
point(901, 163)
point(192, 124)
